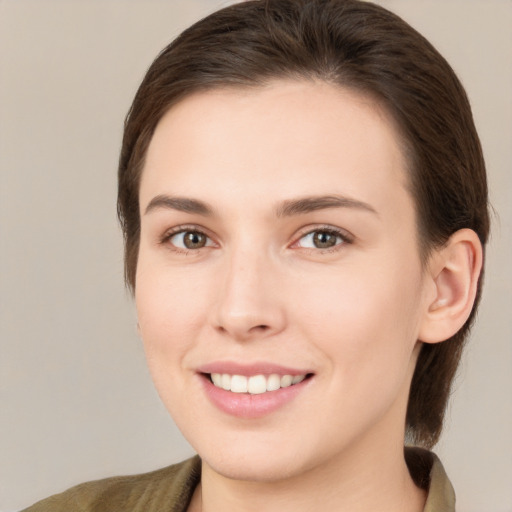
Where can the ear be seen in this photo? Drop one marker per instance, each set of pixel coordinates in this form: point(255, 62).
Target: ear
point(453, 272)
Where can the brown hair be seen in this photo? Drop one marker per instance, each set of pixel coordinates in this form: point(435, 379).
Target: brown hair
point(352, 44)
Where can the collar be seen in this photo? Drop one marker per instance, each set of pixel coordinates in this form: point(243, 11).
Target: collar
point(428, 473)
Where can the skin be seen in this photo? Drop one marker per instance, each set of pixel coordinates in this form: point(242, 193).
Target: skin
point(260, 290)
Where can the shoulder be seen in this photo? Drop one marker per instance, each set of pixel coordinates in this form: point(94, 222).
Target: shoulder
point(171, 487)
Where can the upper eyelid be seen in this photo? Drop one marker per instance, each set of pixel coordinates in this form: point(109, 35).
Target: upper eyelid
point(343, 233)
point(184, 228)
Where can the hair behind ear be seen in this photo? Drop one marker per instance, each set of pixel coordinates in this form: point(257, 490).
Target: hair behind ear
point(456, 270)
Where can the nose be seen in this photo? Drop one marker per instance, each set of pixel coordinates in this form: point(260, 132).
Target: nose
point(249, 305)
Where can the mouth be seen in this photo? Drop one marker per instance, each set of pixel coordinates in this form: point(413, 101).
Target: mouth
point(253, 392)
point(254, 384)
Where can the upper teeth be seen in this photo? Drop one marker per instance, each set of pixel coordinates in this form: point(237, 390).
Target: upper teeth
point(255, 384)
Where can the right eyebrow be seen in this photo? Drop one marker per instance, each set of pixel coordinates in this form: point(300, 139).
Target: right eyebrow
point(181, 204)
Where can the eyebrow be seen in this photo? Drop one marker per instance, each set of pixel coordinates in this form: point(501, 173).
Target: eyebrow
point(182, 204)
point(287, 208)
point(313, 203)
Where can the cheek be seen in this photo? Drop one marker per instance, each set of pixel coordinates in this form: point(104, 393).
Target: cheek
point(170, 308)
point(365, 320)
point(170, 315)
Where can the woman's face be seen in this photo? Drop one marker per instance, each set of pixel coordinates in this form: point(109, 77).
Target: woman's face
point(278, 243)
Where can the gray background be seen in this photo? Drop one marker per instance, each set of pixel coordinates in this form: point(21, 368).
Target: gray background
point(76, 400)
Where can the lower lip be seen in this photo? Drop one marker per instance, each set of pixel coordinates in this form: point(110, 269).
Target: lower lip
point(245, 405)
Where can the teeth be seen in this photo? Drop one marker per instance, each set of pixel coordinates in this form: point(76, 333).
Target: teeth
point(286, 381)
point(217, 379)
point(226, 382)
point(298, 378)
point(238, 383)
point(256, 384)
point(273, 382)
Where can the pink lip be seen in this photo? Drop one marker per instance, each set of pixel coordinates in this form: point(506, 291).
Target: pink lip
point(258, 368)
point(245, 405)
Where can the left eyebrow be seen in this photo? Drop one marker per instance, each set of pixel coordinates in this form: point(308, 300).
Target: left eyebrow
point(312, 203)
point(182, 204)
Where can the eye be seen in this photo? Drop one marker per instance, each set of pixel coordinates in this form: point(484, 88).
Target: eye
point(322, 239)
point(189, 239)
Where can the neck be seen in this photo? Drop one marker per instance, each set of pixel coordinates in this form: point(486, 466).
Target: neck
point(377, 480)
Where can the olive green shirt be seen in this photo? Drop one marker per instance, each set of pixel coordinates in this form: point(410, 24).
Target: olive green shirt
point(170, 489)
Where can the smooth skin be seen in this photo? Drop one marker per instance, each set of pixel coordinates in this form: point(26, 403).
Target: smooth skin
point(236, 273)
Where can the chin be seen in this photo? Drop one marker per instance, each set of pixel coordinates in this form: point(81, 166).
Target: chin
point(258, 456)
point(274, 468)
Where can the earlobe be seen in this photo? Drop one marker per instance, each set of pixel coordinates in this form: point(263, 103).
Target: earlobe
point(454, 270)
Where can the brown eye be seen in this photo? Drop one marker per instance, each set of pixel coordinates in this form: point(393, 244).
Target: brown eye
point(322, 239)
point(189, 240)
point(194, 240)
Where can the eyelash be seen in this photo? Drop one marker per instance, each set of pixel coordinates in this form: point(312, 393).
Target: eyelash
point(341, 234)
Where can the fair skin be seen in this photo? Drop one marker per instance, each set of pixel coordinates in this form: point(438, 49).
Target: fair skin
point(239, 274)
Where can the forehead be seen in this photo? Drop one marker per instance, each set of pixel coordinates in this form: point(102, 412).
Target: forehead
point(293, 136)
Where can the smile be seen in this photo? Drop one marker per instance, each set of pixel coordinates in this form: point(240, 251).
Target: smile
point(255, 384)
point(251, 391)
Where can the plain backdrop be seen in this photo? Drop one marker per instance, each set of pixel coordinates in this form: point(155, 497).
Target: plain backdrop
point(76, 400)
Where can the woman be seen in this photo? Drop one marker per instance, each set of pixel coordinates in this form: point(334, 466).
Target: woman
point(303, 198)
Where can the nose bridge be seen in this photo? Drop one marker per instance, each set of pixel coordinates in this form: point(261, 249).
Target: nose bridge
point(248, 302)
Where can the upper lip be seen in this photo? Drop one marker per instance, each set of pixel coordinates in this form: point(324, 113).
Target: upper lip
point(248, 369)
